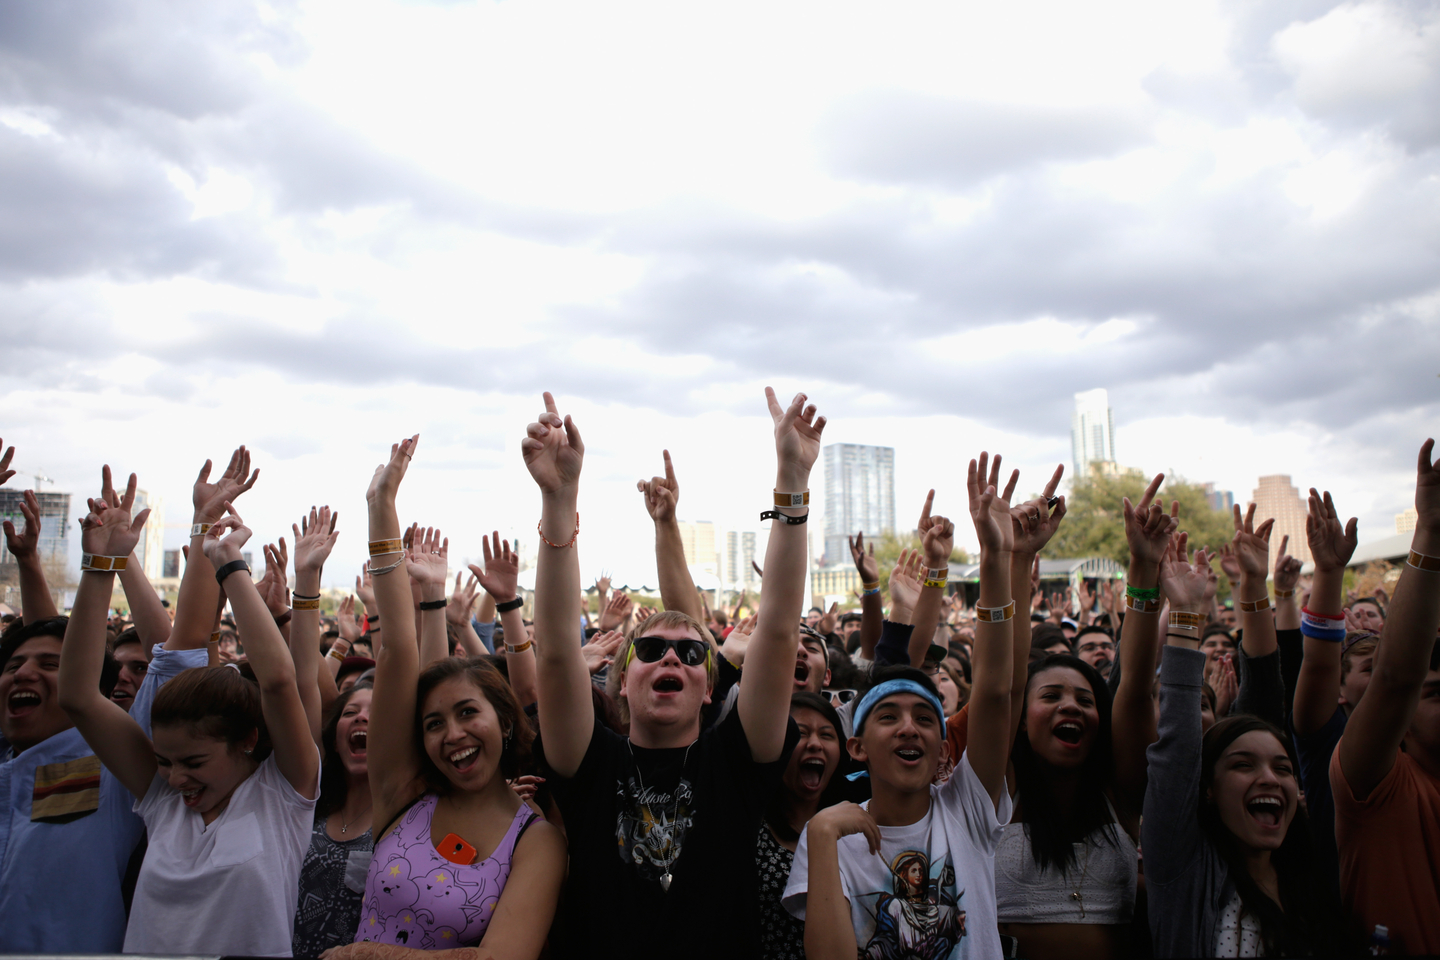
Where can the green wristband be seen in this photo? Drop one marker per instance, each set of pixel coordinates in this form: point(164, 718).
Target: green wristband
point(1139, 593)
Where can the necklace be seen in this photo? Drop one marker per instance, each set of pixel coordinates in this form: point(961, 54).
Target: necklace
point(665, 877)
point(1076, 895)
point(345, 824)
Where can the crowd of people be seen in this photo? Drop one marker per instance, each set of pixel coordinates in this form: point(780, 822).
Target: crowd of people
point(1127, 770)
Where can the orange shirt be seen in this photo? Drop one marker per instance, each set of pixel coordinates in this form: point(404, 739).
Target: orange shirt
point(1390, 854)
point(957, 732)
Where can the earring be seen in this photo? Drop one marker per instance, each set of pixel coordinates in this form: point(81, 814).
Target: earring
point(249, 751)
point(505, 743)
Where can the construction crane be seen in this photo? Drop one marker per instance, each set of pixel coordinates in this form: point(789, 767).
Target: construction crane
point(41, 478)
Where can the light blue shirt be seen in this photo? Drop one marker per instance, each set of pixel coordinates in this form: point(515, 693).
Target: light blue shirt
point(60, 882)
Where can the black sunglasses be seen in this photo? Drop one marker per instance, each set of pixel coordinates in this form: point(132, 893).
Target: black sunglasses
point(692, 653)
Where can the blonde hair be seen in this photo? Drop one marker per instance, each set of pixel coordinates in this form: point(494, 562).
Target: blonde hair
point(662, 620)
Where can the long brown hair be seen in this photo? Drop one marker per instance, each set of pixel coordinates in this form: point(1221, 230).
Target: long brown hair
point(334, 780)
point(213, 702)
point(495, 689)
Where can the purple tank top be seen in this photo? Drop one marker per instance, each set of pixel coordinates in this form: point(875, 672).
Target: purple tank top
point(416, 898)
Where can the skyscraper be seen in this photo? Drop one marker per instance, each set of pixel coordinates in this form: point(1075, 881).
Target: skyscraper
point(150, 551)
point(54, 522)
point(698, 538)
point(1092, 431)
point(1222, 500)
point(1406, 521)
point(859, 495)
point(1276, 498)
point(739, 555)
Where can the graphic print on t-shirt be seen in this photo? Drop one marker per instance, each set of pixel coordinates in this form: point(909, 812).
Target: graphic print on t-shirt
point(651, 825)
point(920, 917)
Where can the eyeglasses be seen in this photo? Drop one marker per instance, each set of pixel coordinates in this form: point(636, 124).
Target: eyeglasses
point(840, 697)
point(692, 653)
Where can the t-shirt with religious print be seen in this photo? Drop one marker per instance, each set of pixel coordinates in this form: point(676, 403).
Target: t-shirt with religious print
point(930, 892)
point(659, 839)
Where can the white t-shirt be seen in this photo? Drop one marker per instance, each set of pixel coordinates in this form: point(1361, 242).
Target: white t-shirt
point(931, 891)
point(229, 888)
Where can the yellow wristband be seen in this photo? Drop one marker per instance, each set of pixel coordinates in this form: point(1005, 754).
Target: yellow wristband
point(1421, 562)
point(995, 614)
point(792, 499)
point(1254, 606)
point(298, 604)
point(378, 548)
point(92, 563)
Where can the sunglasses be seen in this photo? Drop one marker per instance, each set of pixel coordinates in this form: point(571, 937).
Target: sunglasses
point(840, 697)
point(692, 653)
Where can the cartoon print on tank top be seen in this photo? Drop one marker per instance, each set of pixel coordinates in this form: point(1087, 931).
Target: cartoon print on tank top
point(919, 918)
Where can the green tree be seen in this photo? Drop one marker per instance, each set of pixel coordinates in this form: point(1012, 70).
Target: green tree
point(1095, 516)
point(887, 551)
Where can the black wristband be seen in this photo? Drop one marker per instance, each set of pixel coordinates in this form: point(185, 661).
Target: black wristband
point(509, 605)
point(434, 604)
point(373, 619)
point(301, 596)
point(230, 568)
point(791, 521)
point(1183, 636)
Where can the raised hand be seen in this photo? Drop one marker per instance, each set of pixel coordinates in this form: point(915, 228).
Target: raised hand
point(220, 549)
point(209, 499)
point(1033, 522)
point(1252, 544)
point(642, 614)
point(5, 472)
point(350, 624)
point(1229, 562)
point(600, 651)
point(385, 482)
point(797, 434)
point(273, 587)
point(1147, 527)
point(844, 819)
point(829, 621)
point(864, 560)
point(501, 574)
point(1225, 684)
point(905, 580)
point(315, 537)
point(427, 557)
point(462, 601)
point(108, 530)
point(365, 590)
point(1331, 545)
point(1427, 491)
point(25, 546)
point(661, 493)
point(1187, 585)
point(1287, 568)
point(617, 610)
point(990, 511)
point(553, 450)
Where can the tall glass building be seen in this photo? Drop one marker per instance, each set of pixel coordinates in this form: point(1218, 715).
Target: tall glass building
point(1092, 431)
point(859, 495)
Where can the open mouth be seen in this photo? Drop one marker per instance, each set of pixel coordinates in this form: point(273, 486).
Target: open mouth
point(1069, 732)
point(802, 671)
point(22, 702)
point(191, 796)
point(1266, 810)
point(910, 755)
point(812, 773)
point(357, 741)
point(465, 759)
point(669, 685)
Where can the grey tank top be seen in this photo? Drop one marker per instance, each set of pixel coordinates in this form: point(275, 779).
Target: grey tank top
point(1099, 887)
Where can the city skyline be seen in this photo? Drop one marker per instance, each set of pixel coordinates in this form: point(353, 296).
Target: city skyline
point(1092, 432)
point(859, 496)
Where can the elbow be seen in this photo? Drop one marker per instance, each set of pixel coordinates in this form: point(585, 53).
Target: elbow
point(282, 681)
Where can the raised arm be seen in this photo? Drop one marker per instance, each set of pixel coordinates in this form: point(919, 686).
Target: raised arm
point(394, 758)
point(1032, 525)
point(458, 616)
point(991, 662)
point(152, 623)
point(35, 600)
point(500, 578)
point(428, 563)
point(677, 587)
point(1317, 691)
point(554, 454)
point(764, 700)
point(1381, 719)
point(871, 613)
point(1148, 532)
point(280, 702)
point(107, 535)
point(195, 606)
point(314, 539)
point(1252, 598)
point(932, 587)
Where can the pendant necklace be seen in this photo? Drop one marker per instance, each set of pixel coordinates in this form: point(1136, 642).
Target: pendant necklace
point(1084, 871)
point(665, 877)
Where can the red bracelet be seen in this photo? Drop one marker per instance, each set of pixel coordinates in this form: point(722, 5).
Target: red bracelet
point(560, 546)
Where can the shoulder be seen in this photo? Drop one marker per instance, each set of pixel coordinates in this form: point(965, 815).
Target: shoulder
point(540, 838)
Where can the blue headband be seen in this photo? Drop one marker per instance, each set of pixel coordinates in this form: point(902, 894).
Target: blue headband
point(882, 690)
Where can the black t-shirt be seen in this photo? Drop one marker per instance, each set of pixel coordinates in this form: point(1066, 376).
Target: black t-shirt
point(633, 815)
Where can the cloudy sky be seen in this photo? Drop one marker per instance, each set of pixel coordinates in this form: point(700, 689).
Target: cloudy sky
point(315, 227)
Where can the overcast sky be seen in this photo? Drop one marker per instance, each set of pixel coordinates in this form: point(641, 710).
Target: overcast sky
point(315, 227)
